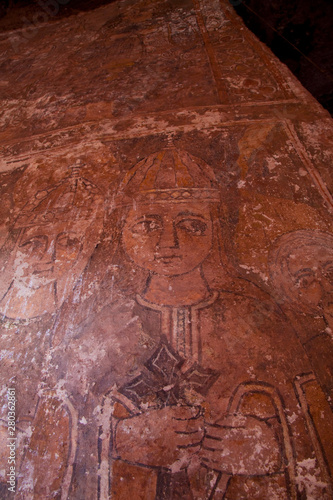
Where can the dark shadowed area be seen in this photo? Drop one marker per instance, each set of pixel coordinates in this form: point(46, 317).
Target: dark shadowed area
point(299, 33)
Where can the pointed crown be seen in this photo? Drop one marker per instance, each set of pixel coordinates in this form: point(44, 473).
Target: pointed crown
point(170, 175)
point(73, 198)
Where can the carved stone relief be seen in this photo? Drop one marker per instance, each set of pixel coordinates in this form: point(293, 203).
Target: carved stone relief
point(166, 274)
point(172, 337)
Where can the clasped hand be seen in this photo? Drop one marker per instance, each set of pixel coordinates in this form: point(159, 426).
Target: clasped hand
point(171, 436)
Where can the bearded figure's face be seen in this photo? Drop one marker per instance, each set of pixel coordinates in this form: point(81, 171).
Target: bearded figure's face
point(311, 277)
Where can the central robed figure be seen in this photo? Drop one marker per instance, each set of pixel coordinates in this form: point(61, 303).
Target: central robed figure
point(205, 413)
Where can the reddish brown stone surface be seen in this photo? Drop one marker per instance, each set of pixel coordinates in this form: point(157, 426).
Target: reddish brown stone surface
point(166, 261)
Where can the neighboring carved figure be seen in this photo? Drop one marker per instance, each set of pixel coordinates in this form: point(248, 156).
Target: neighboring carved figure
point(301, 268)
point(55, 235)
point(49, 246)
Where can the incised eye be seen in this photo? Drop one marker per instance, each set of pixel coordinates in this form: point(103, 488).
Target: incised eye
point(193, 226)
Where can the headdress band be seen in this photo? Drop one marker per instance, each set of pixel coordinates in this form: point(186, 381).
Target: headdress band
point(176, 195)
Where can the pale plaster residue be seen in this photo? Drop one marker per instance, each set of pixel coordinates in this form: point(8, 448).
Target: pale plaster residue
point(307, 479)
point(251, 269)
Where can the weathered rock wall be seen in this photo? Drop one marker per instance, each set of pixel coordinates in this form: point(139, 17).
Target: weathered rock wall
point(166, 260)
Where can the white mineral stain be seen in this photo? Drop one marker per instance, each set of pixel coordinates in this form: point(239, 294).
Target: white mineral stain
point(308, 479)
point(252, 269)
point(292, 418)
point(180, 464)
point(302, 172)
point(329, 331)
point(271, 164)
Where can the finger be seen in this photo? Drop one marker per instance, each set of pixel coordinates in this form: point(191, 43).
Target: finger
point(211, 459)
point(190, 437)
point(192, 448)
point(187, 412)
point(213, 443)
point(188, 426)
point(186, 439)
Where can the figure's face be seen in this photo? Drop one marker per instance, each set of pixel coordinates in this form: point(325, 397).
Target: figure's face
point(168, 239)
point(46, 253)
point(311, 270)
